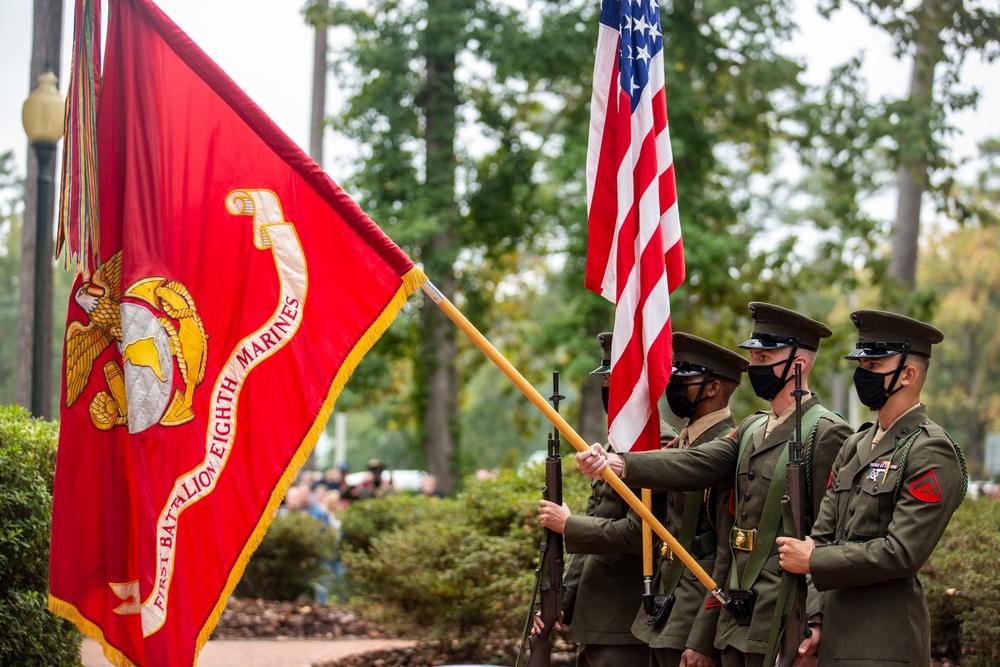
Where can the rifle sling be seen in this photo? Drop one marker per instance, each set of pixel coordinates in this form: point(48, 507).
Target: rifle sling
point(769, 527)
point(689, 524)
point(786, 594)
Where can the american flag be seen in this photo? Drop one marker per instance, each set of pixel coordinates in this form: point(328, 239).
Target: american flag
point(634, 256)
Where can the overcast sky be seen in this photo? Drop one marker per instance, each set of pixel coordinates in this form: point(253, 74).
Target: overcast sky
point(265, 46)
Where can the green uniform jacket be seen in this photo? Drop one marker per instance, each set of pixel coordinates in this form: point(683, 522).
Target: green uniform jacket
point(870, 548)
point(603, 577)
point(690, 624)
point(714, 463)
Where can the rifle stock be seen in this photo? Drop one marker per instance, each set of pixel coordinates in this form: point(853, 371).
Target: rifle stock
point(793, 511)
point(551, 579)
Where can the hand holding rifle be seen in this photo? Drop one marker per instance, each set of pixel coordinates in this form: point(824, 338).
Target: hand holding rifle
point(552, 513)
point(799, 641)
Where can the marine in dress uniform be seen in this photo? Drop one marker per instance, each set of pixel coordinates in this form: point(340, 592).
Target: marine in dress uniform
point(893, 489)
point(602, 584)
point(753, 453)
point(704, 378)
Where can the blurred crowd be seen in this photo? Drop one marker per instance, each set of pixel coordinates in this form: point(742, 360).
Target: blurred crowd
point(325, 494)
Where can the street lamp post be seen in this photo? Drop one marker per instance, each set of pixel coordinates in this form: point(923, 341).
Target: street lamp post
point(42, 115)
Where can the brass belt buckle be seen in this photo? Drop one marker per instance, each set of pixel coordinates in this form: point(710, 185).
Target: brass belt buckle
point(742, 538)
point(665, 552)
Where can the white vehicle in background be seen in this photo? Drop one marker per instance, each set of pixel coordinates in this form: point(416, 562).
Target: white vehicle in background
point(401, 480)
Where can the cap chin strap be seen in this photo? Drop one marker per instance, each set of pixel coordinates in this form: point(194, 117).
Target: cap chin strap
point(701, 390)
point(784, 374)
point(895, 376)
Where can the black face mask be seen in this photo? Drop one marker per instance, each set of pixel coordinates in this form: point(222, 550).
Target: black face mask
point(678, 401)
point(871, 387)
point(605, 397)
point(765, 383)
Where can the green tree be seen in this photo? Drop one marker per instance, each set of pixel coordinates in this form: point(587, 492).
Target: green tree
point(729, 94)
point(461, 215)
point(959, 268)
point(500, 223)
point(964, 387)
point(937, 35)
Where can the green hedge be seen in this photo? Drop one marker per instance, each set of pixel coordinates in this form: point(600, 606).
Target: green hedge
point(457, 571)
point(962, 583)
point(289, 562)
point(29, 634)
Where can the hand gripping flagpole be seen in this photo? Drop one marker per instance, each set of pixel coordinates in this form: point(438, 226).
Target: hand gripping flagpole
point(539, 402)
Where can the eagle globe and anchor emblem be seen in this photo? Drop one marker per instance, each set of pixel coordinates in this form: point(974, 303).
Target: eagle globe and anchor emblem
point(153, 322)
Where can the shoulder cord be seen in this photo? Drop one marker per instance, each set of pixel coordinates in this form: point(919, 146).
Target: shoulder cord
point(907, 444)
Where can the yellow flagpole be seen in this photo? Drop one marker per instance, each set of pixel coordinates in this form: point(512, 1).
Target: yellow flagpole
point(574, 438)
point(647, 536)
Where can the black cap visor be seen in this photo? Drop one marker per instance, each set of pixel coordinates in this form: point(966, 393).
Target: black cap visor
point(685, 369)
point(878, 349)
point(765, 341)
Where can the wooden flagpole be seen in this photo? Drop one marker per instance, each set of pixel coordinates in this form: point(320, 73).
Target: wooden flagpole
point(570, 434)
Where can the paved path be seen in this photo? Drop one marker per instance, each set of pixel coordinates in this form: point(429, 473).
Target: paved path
point(265, 652)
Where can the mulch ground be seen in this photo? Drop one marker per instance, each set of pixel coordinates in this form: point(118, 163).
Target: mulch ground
point(264, 619)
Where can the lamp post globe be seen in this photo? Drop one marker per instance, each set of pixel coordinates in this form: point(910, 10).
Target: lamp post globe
point(42, 116)
point(43, 111)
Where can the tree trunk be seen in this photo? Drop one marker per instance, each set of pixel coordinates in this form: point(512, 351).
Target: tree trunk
point(911, 174)
point(445, 21)
point(45, 43)
point(318, 117)
point(440, 415)
point(317, 125)
point(977, 363)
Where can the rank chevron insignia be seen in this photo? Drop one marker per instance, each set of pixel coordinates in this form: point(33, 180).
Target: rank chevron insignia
point(926, 488)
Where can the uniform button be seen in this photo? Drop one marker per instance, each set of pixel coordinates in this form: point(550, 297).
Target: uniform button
point(851, 511)
point(857, 489)
point(666, 522)
point(670, 501)
point(875, 489)
point(746, 495)
point(904, 430)
point(836, 484)
point(750, 475)
point(845, 532)
point(743, 515)
point(598, 501)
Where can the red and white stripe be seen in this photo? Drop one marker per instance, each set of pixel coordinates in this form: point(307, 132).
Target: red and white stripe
point(634, 257)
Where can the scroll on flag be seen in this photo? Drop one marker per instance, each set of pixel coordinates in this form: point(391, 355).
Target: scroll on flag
point(235, 290)
point(634, 254)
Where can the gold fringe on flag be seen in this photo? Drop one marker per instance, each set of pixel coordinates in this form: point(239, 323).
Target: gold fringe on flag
point(412, 281)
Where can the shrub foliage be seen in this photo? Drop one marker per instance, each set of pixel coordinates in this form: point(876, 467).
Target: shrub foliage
point(457, 571)
point(289, 561)
point(29, 634)
point(963, 589)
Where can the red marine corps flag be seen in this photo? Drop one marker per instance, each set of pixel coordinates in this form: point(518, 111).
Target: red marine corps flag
point(233, 291)
point(634, 253)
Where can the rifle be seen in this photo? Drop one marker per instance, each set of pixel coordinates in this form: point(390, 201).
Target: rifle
point(795, 525)
point(550, 575)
